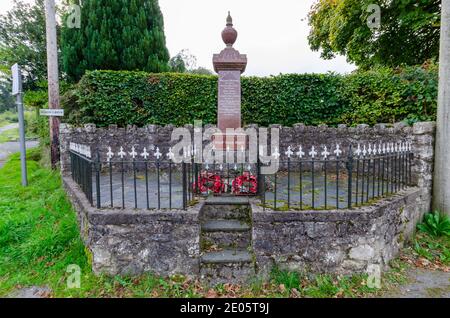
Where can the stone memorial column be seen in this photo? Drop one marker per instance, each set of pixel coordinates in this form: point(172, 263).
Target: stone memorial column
point(229, 64)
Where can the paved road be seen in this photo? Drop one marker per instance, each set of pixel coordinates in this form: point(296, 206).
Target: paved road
point(8, 148)
point(9, 127)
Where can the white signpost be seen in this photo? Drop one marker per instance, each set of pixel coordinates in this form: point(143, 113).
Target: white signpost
point(52, 112)
point(17, 80)
point(17, 91)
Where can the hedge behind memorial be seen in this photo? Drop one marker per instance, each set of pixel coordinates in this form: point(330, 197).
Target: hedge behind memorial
point(377, 96)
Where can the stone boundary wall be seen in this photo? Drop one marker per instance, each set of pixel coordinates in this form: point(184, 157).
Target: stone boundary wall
point(167, 242)
point(421, 135)
point(137, 241)
point(340, 241)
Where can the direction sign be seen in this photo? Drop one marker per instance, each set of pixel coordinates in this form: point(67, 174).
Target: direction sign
point(52, 112)
point(17, 79)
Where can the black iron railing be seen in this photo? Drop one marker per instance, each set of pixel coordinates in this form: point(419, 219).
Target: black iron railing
point(325, 180)
point(132, 184)
point(81, 169)
point(338, 182)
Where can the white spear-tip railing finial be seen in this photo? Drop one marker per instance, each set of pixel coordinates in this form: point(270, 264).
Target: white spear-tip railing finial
point(276, 154)
point(300, 153)
point(358, 150)
point(145, 154)
point(289, 152)
point(325, 153)
point(157, 153)
point(170, 154)
point(338, 151)
point(133, 153)
point(109, 154)
point(364, 151)
point(313, 153)
point(122, 153)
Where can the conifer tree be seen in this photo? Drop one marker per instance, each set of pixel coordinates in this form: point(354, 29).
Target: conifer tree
point(115, 35)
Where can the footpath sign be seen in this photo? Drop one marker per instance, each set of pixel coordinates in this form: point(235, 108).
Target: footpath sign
point(52, 112)
point(17, 80)
point(17, 91)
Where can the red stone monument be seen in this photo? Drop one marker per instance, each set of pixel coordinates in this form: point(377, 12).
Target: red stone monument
point(229, 64)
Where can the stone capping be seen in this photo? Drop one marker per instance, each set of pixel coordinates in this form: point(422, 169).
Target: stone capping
point(418, 128)
point(368, 212)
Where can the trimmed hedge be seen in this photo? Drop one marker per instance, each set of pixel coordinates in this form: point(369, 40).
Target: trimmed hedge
point(138, 98)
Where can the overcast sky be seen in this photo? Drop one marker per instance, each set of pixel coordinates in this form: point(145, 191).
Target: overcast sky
point(273, 34)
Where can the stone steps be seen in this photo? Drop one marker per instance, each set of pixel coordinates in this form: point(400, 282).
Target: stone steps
point(224, 234)
point(234, 266)
point(227, 256)
point(227, 208)
point(225, 226)
point(226, 241)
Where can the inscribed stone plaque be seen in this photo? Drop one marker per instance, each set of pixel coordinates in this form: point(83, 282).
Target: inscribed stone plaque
point(229, 108)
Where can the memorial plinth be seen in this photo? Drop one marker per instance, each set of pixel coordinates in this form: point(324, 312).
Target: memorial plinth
point(229, 64)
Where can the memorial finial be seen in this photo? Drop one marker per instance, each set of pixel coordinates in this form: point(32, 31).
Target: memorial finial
point(229, 20)
point(229, 34)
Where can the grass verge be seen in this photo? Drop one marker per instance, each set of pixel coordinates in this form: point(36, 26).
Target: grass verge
point(7, 118)
point(9, 135)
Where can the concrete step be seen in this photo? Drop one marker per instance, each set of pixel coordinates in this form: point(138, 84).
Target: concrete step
point(227, 200)
point(228, 266)
point(225, 240)
point(227, 256)
point(225, 211)
point(224, 234)
point(225, 226)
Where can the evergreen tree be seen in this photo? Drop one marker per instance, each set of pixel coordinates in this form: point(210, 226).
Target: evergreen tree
point(115, 35)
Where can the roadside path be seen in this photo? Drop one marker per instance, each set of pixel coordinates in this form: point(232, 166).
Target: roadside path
point(8, 148)
point(9, 127)
point(424, 284)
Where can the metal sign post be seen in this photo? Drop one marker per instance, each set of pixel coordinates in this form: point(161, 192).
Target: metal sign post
point(17, 91)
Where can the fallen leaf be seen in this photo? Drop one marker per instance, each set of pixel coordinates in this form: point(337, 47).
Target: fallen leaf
point(295, 293)
point(211, 294)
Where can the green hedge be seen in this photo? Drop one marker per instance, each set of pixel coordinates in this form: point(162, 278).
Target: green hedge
point(384, 95)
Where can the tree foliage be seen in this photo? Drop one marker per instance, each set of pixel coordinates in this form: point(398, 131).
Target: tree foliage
point(6, 100)
point(408, 32)
point(115, 35)
point(22, 40)
point(185, 62)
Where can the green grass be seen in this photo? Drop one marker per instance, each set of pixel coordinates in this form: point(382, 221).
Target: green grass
point(322, 286)
point(434, 249)
point(39, 239)
point(7, 118)
point(9, 135)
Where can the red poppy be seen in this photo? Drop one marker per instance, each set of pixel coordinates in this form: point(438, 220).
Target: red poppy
point(245, 184)
point(207, 182)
